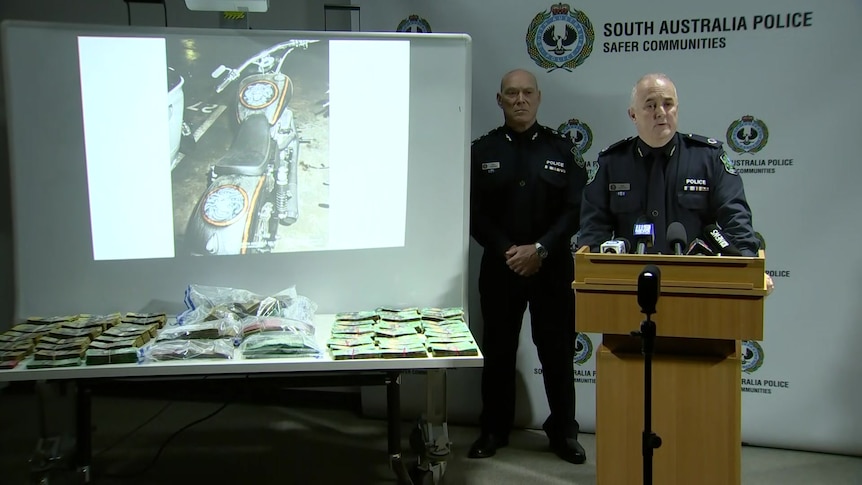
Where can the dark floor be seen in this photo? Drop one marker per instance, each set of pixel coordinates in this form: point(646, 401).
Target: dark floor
point(310, 438)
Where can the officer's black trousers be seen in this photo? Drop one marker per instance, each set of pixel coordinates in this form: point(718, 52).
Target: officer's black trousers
point(504, 296)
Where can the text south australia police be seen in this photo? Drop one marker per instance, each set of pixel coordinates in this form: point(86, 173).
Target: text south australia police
point(690, 34)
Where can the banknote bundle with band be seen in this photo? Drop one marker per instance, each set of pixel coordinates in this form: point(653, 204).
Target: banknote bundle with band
point(20, 341)
point(120, 344)
point(65, 345)
point(386, 332)
point(449, 337)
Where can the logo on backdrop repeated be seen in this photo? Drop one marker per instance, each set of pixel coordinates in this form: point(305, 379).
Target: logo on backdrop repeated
point(560, 38)
point(747, 135)
point(583, 349)
point(579, 132)
point(752, 356)
point(582, 136)
point(752, 360)
point(414, 23)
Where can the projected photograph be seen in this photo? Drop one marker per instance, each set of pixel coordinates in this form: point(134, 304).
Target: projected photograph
point(271, 144)
point(250, 154)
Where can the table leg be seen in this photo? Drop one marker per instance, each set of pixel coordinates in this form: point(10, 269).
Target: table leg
point(393, 419)
point(83, 435)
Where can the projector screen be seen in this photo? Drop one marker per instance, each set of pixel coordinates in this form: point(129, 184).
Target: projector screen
point(145, 160)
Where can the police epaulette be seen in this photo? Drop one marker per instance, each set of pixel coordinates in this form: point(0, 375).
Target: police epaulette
point(554, 132)
point(617, 144)
point(495, 130)
point(704, 140)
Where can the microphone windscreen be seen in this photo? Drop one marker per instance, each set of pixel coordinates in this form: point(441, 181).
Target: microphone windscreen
point(676, 234)
point(649, 288)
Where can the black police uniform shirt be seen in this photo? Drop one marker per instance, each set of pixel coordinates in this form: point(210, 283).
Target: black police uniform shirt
point(525, 188)
point(701, 188)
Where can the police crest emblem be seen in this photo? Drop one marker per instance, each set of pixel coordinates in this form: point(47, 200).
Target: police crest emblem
point(560, 38)
point(579, 132)
point(414, 23)
point(747, 135)
point(583, 349)
point(752, 356)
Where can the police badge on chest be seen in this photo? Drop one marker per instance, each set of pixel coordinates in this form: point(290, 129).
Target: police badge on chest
point(555, 166)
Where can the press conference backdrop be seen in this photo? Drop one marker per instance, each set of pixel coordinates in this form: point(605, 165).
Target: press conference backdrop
point(777, 82)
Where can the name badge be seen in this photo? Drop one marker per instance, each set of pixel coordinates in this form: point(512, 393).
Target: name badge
point(619, 187)
point(490, 165)
point(555, 166)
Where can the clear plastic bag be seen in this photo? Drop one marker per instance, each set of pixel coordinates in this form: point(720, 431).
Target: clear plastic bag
point(205, 303)
point(280, 344)
point(255, 325)
point(228, 327)
point(189, 349)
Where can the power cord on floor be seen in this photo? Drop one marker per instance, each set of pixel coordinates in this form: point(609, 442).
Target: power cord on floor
point(165, 444)
point(133, 431)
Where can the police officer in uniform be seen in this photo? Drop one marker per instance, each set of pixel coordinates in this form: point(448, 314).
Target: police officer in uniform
point(661, 176)
point(526, 187)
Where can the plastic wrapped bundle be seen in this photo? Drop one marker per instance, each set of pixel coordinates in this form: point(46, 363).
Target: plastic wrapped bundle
point(189, 349)
point(280, 344)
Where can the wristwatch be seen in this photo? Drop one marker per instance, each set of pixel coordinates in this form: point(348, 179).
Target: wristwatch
point(541, 251)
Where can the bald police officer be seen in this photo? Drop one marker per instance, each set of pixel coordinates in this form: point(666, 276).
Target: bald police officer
point(526, 188)
point(661, 176)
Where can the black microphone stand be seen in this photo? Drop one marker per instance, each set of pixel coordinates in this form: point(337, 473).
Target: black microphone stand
point(649, 440)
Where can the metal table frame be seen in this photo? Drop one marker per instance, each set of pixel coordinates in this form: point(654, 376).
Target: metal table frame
point(293, 372)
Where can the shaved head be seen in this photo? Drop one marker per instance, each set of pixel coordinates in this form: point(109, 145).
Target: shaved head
point(649, 78)
point(653, 109)
point(518, 72)
point(519, 98)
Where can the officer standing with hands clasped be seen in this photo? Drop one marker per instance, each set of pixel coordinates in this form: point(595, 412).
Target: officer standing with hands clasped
point(661, 177)
point(526, 188)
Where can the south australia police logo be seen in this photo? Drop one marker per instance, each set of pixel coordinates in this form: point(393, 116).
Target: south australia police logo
point(414, 23)
point(560, 38)
point(579, 132)
point(583, 349)
point(747, 135)
point(752, 356)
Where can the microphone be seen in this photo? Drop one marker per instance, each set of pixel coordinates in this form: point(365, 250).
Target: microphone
point(699, 247)
point(617, 245)
point(676, 237)
point(644, 233)
point(649, 288)
point(719, 242)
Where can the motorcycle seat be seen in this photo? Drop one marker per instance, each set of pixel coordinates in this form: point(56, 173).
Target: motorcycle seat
point(251, 149)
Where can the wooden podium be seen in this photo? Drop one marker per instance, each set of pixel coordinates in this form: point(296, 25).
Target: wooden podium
point(707, 305)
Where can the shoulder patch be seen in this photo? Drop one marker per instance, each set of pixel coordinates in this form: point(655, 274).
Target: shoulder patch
point(579, 159)
point(704, 140)
point(729, 167)
point(618, 144)
point(592, 170)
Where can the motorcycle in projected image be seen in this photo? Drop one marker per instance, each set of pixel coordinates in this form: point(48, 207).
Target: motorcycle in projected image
point(252, 188)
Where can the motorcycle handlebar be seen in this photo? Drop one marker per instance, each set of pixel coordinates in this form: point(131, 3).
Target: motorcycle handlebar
point(290, 45)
